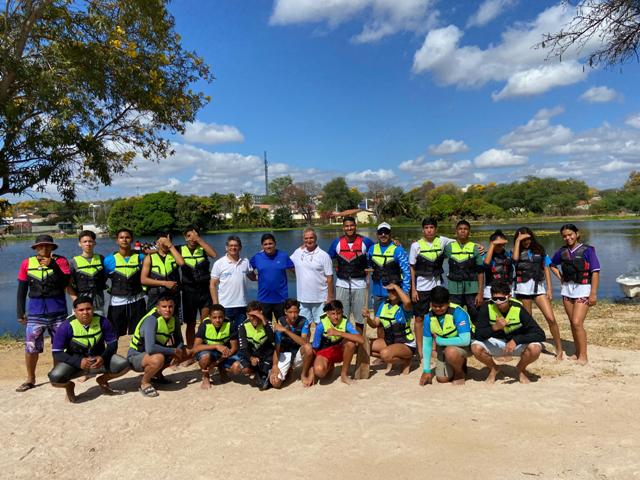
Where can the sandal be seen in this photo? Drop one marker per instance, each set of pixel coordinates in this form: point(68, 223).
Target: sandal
point(148, 391)
point(25, 386)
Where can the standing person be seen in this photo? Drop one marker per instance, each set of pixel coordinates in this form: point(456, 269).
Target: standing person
point(466, 272)
point(350, 252)
point(272, 265)
point(498, 264)
point(229, 282)
point(292, 342)
point(44, 277)
point(532, 275)
point(426, 259)
point(504, 328)
point(314, 276)
point(160, 272)
point(195, 280)
point(127, 305)
point(86, 343)
point(88, 276)
point(390, 265)
point(580, 278)
point(257, 345)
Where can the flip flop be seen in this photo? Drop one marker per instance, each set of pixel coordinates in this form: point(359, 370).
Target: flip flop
point(25, 386)
point(148, 392)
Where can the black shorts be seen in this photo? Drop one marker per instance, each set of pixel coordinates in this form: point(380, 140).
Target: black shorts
point(522, 296)
point(193, 301)
point(125, 318)
point(421, 307)
point(276, 309)
point(63, 372)
point(466, 301)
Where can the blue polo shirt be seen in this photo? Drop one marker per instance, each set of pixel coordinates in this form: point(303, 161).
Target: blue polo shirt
point(272, 276)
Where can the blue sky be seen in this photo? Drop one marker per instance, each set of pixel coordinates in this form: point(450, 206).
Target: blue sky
point(400, 91)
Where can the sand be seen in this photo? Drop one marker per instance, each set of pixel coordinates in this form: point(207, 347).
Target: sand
point(570, 422)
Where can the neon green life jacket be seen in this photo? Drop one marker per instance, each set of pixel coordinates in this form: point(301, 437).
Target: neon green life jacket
point(213, 336)
point(84, 339)
point(164, 330)
point(396, 327)
point(512, 317)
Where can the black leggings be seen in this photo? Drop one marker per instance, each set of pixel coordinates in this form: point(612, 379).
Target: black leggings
point(63, 372)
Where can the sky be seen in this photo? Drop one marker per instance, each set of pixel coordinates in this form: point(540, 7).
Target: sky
point(398, 91)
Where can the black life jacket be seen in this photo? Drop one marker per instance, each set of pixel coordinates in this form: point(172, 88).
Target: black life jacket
point(88, 276)
point(430, 259)
point(125, 279)
point(530, 266)
point(385, 267)
point(462, 263)
point(575, 268)
point(352, 261)
point(501, 270)
point(45, 282)
point(196, 269)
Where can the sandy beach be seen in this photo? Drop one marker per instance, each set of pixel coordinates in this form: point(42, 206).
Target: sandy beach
point(570, 422)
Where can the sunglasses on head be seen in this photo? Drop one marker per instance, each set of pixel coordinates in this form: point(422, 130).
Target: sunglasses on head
point(499, 299)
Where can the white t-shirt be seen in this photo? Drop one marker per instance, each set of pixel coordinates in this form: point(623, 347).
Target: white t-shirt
point(356, 283)
point(312, 270)
point(232, 290)
point(424, 284)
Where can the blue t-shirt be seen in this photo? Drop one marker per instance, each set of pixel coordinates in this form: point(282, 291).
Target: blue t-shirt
point(317, 336)
point(272, 276)
point(110, 261)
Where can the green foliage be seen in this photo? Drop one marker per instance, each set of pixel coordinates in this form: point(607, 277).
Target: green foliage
point(147, 215)
point(276, 189)
point(336, 195)
point(443, 206)
point(86, 86)
point(282, 218)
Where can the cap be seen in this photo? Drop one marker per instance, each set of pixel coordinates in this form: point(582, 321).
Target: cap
point(384, 225)
point(44, 240)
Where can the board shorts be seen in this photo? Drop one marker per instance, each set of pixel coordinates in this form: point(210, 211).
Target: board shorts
point(579, 300)
point(63, 372)
point(37, 325)
point(285, 362)
point(135, 360)
point(193, 301)
point(124, 318)
point(443, 369)
point(333, 354)
point(421, 307)
point(495, 347)
point(215, 355)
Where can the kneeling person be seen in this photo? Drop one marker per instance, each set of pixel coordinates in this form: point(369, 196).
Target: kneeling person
point(257, 346)
point(216, 345)
point(450, 325)
point(156, 341)
point(505, 328)
point(394, 316)
point(86, 343)
point(334, 341)
point(292, 342)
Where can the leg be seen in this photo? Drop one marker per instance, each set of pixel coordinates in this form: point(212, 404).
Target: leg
point(544, 305)
point(568, 303)
point(397, 353)
point(152, 365)
point(481, 353)
point(349, 348)
point(530, 355)
point(457, 361)
point(321, 367)
point(579, 314)
point(307, 376)
point(117, 367)
point(60, 377)
point(204, 360)
point(34, 346)
point(526, 303)
point(377, 345)
point(136, 311)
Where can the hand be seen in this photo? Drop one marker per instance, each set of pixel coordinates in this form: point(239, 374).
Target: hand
point(171, 285)
point(224, 351)
point(396, 242)
point(86, 363)
point(365, 313)
point(332, 332)
point(44, 261)
point(510, 346)
point(523, 236)
point(22, 320)
point(479, 299)
point(426, 379)
point(195, 237)
point(549, 295)
point(499, 324)
point(593, 299)
point(415, 298)
point(98, 362)
point(390, 286)
point(278, 327)
point(500, 241)
point(481, 249)
point(255, 361)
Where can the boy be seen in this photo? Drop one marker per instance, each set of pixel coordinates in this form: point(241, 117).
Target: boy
point(257, 345)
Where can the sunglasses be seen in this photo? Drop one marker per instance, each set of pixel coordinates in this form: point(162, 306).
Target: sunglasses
point(499, 300)
point(384, 232)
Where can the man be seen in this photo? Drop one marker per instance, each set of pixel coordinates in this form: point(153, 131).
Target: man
point(390, 265)
point(350, 253)
point(426, 259)
point(257, 346)
point(229, 282)
point(451, 327)
point(314, 276)
point(505, 328)
point(334, 341)
point(156, 342)
point(272, 266)
point(195, 280)
point(466, 270)
point(45, 277)
point(160, 271)
point(84, 344)
point(216, 345)
point(127, 304)
point(292, 342)
point(88, 277)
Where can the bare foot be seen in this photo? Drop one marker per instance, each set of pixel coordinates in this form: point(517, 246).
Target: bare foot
point(573, 357)
point(107, 390)
point(523, 377)
point(406, 367)
point(307, 380)
point(491, 378)
point(346, 379)
point(71, 395)
point(582, 361)
point(559, 356)
point(189, 361)
point(82, 378)
point(206, 383)
point(458, 381)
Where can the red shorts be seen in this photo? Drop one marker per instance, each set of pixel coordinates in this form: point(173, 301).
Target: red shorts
point(333, 354)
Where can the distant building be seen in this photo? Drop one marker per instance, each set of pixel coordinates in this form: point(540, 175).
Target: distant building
point(361, 215)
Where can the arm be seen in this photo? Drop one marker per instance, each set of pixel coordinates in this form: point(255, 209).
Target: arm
point(530, 331)
point(351, 334)
point(547, 279)
point(176, 255)
point(213, 289)
point(516, 247)
point(462, 340)
point(480, 276)
point(489, 255)
point(463, 326)
point(148, 330)
point(330, 291)
point(403, 261)
point(300, 340)
point(208, 249)
point(23, 287)
point(483, 326)
point(595, 283)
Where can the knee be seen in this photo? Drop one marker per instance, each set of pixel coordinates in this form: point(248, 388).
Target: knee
point(320, 371)
point(235, 369)
point(385, 355)
point(204, 361)
point(306, 349)
point(451, 354)
point(477, 349)
point(442, 379)
point(534, 349)
point(349, 346)
point(156, 361)
point(56, 376)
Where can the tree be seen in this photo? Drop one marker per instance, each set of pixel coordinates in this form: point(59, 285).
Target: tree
point(336, 195)
point(87, 85)
point(380, 193)
point(282, 218)
point(301, 197)
point(277, 187)
point(614, 25)
point(147, 215)
point(633, 182)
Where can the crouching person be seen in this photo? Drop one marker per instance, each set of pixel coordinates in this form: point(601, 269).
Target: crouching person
point(450, 325)
point(86, 343)
point(292, 342)
point(216, 345)
point(156, 341)
point(505, 328)
point(334, 341)
point(256, 340)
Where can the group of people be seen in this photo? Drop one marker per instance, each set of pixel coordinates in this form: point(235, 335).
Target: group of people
point(485, 309)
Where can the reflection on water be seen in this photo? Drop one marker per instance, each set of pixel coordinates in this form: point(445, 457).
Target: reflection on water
point(617, 244)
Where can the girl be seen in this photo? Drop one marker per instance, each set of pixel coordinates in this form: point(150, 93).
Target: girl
point(533, 280)
point(497, 262)
point(580, 277)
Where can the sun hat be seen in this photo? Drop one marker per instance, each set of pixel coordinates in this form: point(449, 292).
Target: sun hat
point(44, 240)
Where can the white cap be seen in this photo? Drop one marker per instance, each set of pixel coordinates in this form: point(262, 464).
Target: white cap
point(384, 225)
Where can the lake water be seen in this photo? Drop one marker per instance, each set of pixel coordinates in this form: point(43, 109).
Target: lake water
point(617, 244)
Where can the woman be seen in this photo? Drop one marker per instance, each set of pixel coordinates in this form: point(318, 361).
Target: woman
point(580, 277)
point(497, 262)
point(394, 315)
point(533, 280)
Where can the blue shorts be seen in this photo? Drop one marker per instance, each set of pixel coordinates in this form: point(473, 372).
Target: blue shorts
point(215, 355)
point(37, 325)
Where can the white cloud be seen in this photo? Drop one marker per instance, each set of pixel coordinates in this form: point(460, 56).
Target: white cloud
point(448, 147)
point(381, 17)
point(513, 60)
point(420, 169)
point(538, 133)
point(487, 11)
point(633, 120)
point(364, 176)
point(600, 95)
point(211, 133)
point(480, 177)
point(499, 158)
point(615, 165)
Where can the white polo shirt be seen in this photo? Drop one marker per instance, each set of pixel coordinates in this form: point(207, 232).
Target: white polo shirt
point(312, 270)
point(232, 289)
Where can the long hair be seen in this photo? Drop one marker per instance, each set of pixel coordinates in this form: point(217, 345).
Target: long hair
point(535, 246)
